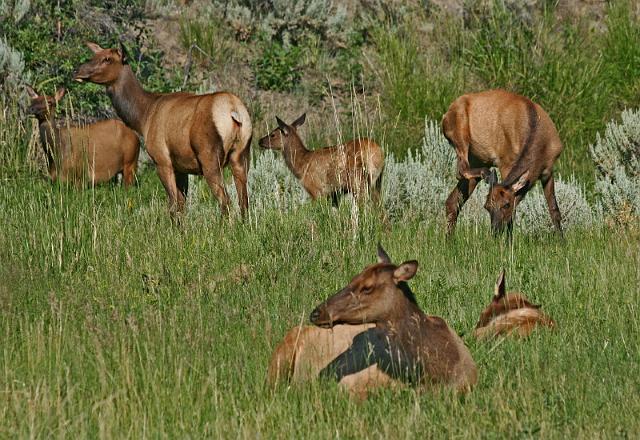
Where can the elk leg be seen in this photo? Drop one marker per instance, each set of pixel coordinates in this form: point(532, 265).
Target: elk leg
point(460, 143)
point(548, 185)
point(212, 170)
point(334, 199)
point(240, 168)
point(129, 174)
point(182, 184)
point(168, 179)
point(457, 199)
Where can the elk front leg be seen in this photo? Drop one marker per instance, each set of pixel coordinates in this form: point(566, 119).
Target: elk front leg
point(456, 201)
point(129, 174)
point(548, 185)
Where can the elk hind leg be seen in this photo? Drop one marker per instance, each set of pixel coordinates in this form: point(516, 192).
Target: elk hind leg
point(240, 162)
point(548, 185)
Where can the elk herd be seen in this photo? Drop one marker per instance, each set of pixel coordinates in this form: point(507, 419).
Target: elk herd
point(372, 333)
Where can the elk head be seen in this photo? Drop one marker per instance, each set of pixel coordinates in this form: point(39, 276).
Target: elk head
point(502, 199)
point(278, 137)
point(375, 295)
point(42, 106)
point(105, 66)
point(503, 302)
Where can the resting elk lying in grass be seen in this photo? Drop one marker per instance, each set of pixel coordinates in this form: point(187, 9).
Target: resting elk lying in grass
point(92, 153)
point(502, 129)
point(354, 167)
point(372, 334)
point(184, 133)
point(510, 314)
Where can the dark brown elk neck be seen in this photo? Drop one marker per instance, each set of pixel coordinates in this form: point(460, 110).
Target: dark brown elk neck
point(296, 155)
point(404, 317)
point(529, 155)
point(130, 100)
point(50, 140)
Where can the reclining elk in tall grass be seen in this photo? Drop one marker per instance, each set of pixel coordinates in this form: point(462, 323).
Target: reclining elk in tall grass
point(91, 153)
point(502, 129)
point(374, 334)
point(353, 167)
point(510, 313)
point(184, 133)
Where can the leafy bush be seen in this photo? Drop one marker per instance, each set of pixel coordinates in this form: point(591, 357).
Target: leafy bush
point(278, 68)
point(617, 159)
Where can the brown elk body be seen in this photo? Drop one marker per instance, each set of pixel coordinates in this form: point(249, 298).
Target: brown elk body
point(394, 342)
point(184, 133)
point(353, 167)
point(306, 353)
point(92, 153)
point(509, 314)
point(514, 134)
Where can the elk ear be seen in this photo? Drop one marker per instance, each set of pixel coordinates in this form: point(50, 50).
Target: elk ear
point(521, 183)
point(59, 94)
point(405, 271)
point(298, 122)
point(500, 288)
point(124, 55)
point(383, 257)
point(282, 126)
point(94, 47)
point(32, 93)
point(492, 177)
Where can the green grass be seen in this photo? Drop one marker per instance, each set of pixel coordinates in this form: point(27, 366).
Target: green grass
point(116, 324)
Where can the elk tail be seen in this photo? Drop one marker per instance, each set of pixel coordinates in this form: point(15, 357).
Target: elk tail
point(236, 117)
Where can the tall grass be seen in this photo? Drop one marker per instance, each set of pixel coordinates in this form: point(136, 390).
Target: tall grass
point(114, 323)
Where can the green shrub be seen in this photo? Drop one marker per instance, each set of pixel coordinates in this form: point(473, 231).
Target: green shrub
point(278, 67)
point(617, 159)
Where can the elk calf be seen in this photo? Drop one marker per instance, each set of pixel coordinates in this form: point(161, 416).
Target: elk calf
point(502, 129)
point(373, 334)
point(184, 133)
point(354, 167)
point(510, 314)
point(92, 153)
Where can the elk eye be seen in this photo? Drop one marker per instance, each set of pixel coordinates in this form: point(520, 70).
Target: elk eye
point(366, 290)
point(506, 205)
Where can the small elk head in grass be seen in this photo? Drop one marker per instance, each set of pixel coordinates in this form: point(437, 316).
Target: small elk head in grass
point(280, 135)
point(43, 107)
point(510, 313)
point(502, 200)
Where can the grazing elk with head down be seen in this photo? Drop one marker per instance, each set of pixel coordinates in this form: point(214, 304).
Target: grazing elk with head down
point(91, 153)
point(374, 334)
point(510, 313)
point(184, 133)
point(353, 167)
point(509, 131)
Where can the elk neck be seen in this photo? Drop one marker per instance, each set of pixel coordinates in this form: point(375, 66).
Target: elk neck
point(50, 140)
point(131, 101)
point(405, 317)
point(296, 155)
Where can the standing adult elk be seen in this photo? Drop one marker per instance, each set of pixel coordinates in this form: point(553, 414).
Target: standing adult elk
point(184, 133)
point(509, 131)
point(91, 153)
point(510, 314)
point(353, 167)
point(374, 334)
